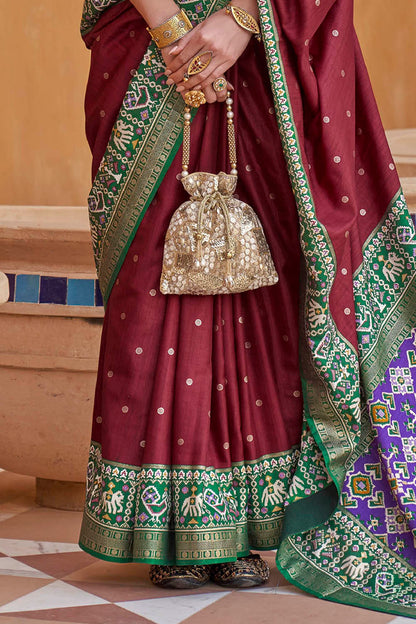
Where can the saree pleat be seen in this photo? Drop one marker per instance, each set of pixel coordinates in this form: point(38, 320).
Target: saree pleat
point(278, 418)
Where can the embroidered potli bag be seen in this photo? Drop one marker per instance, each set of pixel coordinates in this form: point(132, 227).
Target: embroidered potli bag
point(215, 243)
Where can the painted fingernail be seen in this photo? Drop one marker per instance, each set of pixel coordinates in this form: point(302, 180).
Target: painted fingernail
point(173, 50)
point(169, 81)
point(168, 72)
point(179, 89)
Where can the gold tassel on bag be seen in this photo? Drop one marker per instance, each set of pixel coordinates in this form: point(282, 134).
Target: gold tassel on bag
point(215, 243)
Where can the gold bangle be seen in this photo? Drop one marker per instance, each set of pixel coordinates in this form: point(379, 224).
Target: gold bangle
point(244, 20)
point(170, 31)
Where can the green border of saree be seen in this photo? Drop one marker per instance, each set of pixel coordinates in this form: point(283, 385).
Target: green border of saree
point(184, 514)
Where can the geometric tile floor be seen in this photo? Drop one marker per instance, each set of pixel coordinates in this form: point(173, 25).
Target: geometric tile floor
point(45, 577)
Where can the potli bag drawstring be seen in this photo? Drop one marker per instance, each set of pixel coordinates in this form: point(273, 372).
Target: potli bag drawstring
point(209, 202)
point(215, 243)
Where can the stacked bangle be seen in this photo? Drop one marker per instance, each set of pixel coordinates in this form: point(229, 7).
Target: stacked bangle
point(172, 30)
point(244, 19)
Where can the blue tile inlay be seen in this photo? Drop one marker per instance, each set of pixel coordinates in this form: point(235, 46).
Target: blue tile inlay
point(98, 295)
point(12, 281)
point(27, 288)
point(48, 289)
point(81, 292)
point(53, 290)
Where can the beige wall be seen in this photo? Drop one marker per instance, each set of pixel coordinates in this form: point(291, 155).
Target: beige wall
point(44, 157)
point(387, 32)
point(44, 66)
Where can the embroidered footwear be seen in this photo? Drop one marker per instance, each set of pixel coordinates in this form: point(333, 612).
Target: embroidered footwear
point(179, 577)
point(245, 572)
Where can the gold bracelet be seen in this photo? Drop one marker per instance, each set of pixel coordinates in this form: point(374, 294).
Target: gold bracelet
point(244, 19)
point(170, 31)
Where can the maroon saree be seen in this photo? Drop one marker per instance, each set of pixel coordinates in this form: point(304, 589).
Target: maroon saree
point(223, 423)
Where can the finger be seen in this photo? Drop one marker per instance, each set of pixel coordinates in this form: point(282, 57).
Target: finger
point(210, 94)
point(170, 52)
point(179, 63)
point(177, 76)
point(185, 49)
point(221, 95)
point(204, 78)
point(176, 71)
point(177, 47)
point(194, 79)
point(218, 70)
point(184, 92)
point(210, 97)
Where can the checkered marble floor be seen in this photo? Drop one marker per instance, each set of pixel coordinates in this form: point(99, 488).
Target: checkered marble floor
point(45, 577)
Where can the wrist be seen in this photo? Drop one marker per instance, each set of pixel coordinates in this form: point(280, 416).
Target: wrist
point(243, 18)
point(160, 13)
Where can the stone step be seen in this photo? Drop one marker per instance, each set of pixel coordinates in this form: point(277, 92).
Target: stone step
point(409, 190)
point(403, 148)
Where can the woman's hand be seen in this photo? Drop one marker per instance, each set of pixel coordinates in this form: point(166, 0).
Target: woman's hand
point(218, 33)
point(210, 95)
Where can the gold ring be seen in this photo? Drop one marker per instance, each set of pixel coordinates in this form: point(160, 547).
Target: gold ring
point(219, 84)
point(194, 98)
point(198, 64)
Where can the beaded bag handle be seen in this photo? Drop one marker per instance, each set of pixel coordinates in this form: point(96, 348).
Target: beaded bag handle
point(192, 100)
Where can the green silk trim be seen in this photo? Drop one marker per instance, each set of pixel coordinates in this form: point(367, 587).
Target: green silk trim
point(145, 139)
